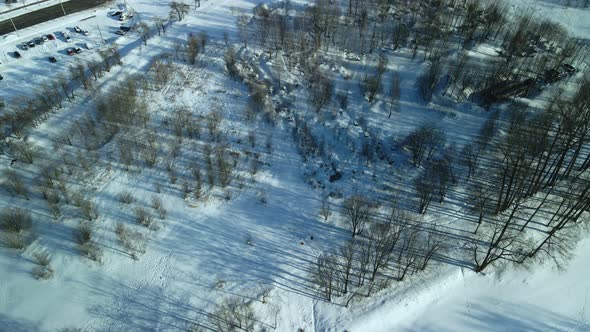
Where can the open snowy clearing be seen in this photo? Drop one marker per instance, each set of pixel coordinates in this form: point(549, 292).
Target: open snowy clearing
point(259, 243)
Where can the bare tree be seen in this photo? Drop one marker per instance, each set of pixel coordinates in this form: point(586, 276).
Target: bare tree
point(234, 314)
point(433, 245)
point(160, 25)
point(95, 68)
point(230, 63)
point(347, 256)
point(357, 211)
point(481, 201)
point(427, 82)
point(178, 10)
point(193, 48)
point(371, 86)
point(326, 275)
point(242, 23)
point(144, 32)
point(325, 210)
point(469, 158)
point(424, 185)
point(424, 142)
point(66, 87)
point(394, 93)
point(407, 255)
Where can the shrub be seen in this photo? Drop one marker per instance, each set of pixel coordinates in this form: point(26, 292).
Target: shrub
point(24, 151)
point(87, 247)
point(15, 184)
point(42, 258)
point(15, 241)
point(87, 208)
point(143, 217)
point(157, 205)
point(91, 250)
point(83, 234)
point(133, 242)
point(126, 197)
point(43, 270)
point(15, 220)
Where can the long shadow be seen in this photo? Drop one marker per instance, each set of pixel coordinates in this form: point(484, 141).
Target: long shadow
point(20, 325)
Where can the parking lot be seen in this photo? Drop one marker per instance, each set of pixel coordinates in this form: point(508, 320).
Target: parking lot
point(45, 51)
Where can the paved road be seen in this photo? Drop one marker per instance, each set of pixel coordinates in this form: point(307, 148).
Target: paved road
point(47, 14)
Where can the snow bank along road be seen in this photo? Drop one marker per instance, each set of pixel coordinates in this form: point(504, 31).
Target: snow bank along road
point(46, 14)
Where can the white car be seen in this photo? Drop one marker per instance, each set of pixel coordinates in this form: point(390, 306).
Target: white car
point(66, 36)
point(88, 45)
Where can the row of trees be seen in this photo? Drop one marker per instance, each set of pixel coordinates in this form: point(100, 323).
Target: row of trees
point(383, 248)
point(534, 174)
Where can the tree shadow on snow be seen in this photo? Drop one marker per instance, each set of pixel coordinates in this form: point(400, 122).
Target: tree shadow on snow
point(13, 325)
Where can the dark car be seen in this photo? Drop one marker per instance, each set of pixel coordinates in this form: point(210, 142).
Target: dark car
point(71, 51)
point(77, 50)
point(50, 37)
point(568, 68)
point(38, 41)
point(1, 77)
point(125, 28)
point(16, 54)
point(118, 12)
point(52, 59)
point(31, 44)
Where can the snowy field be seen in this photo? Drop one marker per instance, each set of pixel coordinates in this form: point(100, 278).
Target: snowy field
point(255, 239)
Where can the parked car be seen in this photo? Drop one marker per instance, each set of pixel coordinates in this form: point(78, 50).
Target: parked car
point(77, 50)
point(24, 46)
point(125, 28)
point(121, 32)
point(52, 59)
point(70, 51)
point(66, 36)
point(86, 33)
point(44, 38)
point(31, 44)
point(50, 37)
point(88, 45)
point(123, 17)
point(116, 13)
point(38, 41)
point(77, 29)
point(1, 77)
point(16, 54)
point(568, 68)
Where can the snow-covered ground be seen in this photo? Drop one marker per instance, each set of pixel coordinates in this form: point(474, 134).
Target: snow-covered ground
point(574, 17)
point(258, 240)
point(540, 299)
